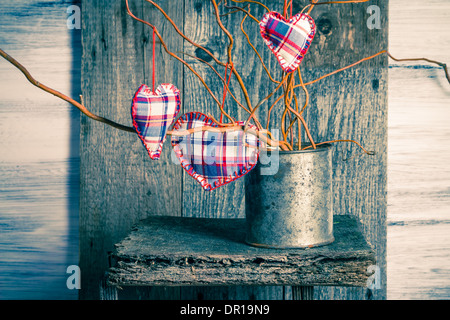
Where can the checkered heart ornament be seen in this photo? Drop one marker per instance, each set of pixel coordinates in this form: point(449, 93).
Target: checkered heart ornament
point(153, 113)
point(288, 40)
point(214, 158)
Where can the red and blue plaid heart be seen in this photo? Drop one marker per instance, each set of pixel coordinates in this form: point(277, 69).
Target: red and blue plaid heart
point(153, 113)
point(214, 158)
point(288, 40)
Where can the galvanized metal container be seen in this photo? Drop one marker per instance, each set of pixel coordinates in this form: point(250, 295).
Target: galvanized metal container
point(290, 205)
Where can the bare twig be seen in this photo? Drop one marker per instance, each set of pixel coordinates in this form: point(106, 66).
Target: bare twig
point(85, 111)
point(342, 69)
point(370, 153)
point(287, 89)
point(222, 79)
point(270, 110)
point(175, 56)
point(256, 51)
point(183, 35)
point(441, 64)
point(247, 12)
point(304, 89)
point(314, 2)
point(308, 133)
point(235, 72)
point(58, 94)
point(300, 117)
point(257, 2)
point(265, 99)
point(230, 37)
point(290, 115)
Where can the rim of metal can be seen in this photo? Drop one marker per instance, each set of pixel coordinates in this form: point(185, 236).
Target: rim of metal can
point(306, 246)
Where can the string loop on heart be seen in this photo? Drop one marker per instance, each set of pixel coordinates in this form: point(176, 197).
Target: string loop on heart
point(153, 60)
point(286, 6)
point(153, 41)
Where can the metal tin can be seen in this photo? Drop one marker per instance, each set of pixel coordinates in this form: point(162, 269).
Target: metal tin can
point(290, 205)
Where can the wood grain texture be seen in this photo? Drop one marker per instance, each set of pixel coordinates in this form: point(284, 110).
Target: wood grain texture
point(353, 105)
point(302, 292)
point(119, 183)
point(176, 251)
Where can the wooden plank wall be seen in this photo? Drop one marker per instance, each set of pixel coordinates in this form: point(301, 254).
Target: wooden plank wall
point(121, 185)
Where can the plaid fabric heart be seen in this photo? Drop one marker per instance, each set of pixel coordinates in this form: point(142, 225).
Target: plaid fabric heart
point(153, 113)
point(214, 158)
point(288, 40)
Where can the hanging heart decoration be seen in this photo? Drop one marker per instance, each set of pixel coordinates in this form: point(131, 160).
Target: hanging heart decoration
point(153, 113)
point(214, 158)
point(288, 40)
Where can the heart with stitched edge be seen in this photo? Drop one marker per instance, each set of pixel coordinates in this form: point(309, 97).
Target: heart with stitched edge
point(288, 40)
point(153, 113)
point(213, 158)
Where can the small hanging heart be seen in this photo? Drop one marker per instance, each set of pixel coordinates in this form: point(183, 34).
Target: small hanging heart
point(288, 40)
point(214, 158)
point(153, 113)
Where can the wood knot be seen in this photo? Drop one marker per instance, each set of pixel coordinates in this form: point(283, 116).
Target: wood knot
point(201, 54)
point(198, 7)
point(324, 26)
point(375, 84)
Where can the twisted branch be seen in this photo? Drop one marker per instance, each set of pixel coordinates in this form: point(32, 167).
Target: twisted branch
point(443, 65)
point(287, 83)
point(62, 96)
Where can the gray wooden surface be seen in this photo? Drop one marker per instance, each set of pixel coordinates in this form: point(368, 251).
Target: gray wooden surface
point(353, 104)
point(179, 251)
point(120, 185)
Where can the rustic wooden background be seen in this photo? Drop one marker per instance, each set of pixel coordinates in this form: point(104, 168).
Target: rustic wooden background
point(121, 185)
point(39, 173)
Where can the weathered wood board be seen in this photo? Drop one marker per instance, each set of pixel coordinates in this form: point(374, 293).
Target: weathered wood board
point(177, 251)
point(120, 184)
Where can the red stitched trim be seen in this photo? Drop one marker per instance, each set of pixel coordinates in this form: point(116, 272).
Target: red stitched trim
point(185, 163)
point(154, 155)
point(284, 64)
